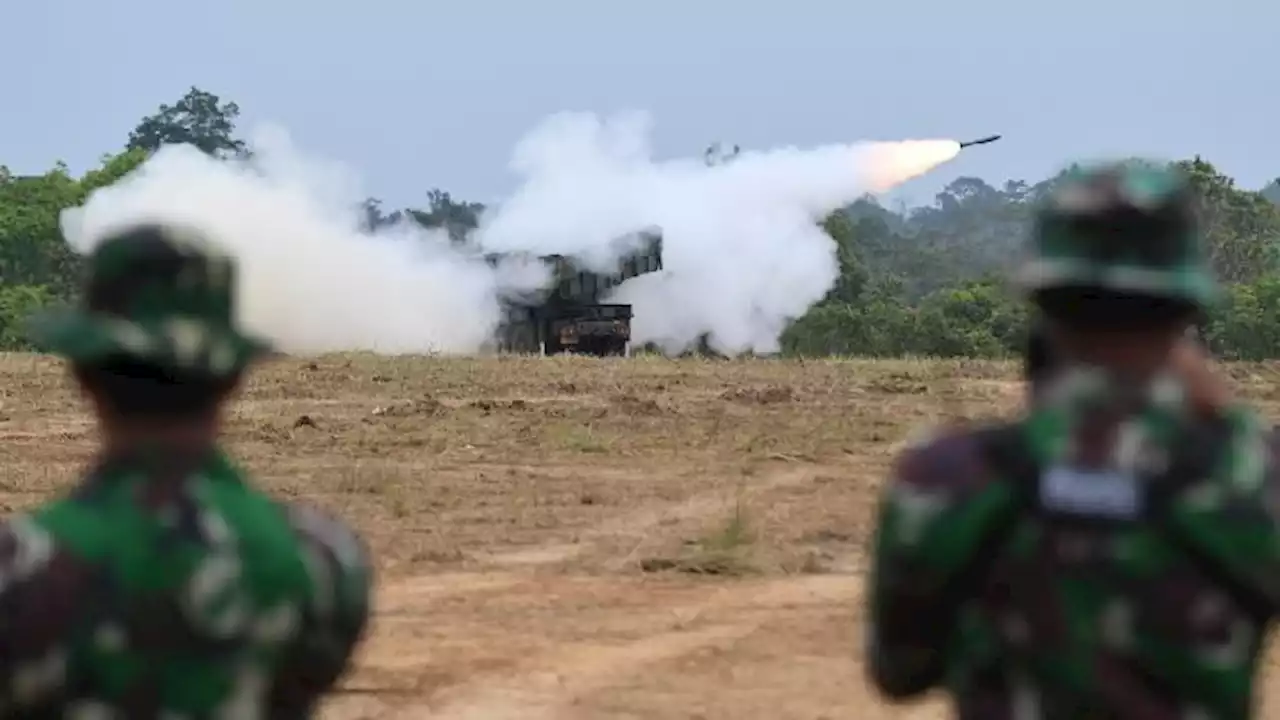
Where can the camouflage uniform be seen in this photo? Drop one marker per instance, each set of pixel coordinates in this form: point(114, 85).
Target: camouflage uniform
point(1037, 358)
point(1111, 554)
point(163, 585)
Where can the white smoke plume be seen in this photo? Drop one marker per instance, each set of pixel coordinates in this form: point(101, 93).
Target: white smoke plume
point(742, 252)
point(312, 280)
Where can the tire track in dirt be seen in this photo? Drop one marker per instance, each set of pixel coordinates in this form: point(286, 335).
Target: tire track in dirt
point(550, 685)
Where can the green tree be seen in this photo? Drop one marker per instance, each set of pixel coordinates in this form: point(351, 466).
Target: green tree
point(112, 169)
point(17, 303)
point(1242, 227)
point(31, 248)
point(199, 118)
point(1272, 191)
point(977, 319)
point(457, 218)
point(1246, 325)
point(853, 278)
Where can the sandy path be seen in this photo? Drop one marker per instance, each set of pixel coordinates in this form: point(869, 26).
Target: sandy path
point(633, 629)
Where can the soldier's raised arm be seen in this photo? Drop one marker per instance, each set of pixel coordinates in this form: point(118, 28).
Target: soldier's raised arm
point(335, 619)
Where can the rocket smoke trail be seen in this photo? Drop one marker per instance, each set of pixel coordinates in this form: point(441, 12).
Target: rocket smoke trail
point(742, 251)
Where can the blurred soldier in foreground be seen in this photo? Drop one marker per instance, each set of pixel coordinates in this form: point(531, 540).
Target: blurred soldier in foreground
point(163, 585)
point(1037, 359)
point(1115, 553)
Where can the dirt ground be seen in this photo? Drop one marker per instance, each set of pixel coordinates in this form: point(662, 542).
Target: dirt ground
point(581, 538)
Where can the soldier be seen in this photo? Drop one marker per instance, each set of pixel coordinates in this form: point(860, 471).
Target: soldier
point(1114, 552)
point(1037, 359)
point(163, 585)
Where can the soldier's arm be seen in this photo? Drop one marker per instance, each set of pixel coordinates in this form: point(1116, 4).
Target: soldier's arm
point(334, 621)
point(42, 592)
point(930, 518)
point(1209, 392)
point(1248, 531)
point(1230, 521)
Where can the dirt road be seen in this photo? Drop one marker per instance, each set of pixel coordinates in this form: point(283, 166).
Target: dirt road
point(521, 637)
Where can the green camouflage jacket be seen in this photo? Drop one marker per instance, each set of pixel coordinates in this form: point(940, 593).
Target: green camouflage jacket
point(1108, 556)
point(165, 587)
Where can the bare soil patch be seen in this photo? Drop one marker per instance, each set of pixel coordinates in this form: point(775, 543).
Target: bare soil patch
point(579, 537)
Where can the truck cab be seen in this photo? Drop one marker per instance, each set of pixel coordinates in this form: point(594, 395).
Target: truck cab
point(569, 317)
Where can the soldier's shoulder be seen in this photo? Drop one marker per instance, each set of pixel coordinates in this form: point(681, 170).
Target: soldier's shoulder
point(1244, 464)
point(945, 457)
point(322, 530)
point(27, 535)
point(1244, 418)
point(37, 561)
point(1249, 433)
point(1246, 422)
point(315, 522)
point(76, 521)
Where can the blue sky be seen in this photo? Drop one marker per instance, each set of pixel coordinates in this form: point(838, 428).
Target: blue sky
point(419, 94)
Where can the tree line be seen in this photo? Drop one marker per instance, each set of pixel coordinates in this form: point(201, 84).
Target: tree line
point(913, 281)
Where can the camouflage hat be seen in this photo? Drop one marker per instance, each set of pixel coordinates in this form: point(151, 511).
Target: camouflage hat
point(156, 293)
point(1128, 228)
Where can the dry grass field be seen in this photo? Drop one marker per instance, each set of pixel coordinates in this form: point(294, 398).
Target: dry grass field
point(583, 538)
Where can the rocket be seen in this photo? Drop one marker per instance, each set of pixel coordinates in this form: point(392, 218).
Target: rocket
point(980, 141)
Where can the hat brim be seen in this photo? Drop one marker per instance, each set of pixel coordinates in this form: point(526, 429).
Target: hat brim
point(179, 343)
point(1190, 284)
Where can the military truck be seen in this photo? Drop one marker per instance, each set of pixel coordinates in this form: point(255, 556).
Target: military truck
point(569, 317)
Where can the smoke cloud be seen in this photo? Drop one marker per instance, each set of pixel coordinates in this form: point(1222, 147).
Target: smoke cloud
point(742, 252)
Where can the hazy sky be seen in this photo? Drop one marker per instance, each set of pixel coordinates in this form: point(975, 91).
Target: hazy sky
point(418, 94)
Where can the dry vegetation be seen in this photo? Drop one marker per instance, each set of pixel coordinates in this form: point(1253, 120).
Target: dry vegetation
point(580, 538)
